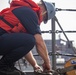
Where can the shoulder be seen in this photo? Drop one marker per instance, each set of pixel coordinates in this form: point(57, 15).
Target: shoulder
point(25, 14)
point(24, 11)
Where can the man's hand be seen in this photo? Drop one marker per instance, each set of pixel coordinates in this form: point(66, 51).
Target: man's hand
point(42, 51)
point(46, 67)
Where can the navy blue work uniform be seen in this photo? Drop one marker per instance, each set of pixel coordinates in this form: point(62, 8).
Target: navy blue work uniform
point(14, 46)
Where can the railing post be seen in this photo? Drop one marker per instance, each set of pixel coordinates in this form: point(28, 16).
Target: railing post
point(53, 44)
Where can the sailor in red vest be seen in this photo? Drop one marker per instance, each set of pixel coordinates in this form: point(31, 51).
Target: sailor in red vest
point(20, 32)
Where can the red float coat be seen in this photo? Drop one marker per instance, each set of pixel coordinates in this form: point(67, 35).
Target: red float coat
point(10, 23)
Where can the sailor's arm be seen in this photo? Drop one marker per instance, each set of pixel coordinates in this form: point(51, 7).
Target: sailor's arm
point(42, 50)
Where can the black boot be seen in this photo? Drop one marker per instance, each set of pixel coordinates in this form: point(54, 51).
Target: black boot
point(22, 73)
point(14, 68)
point(8, 71)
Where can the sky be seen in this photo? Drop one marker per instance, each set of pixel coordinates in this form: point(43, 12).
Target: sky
point(67, 19)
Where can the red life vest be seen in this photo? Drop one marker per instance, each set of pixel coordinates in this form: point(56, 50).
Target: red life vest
point(10, 23)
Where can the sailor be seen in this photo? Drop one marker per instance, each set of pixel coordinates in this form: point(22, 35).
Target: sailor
point(20, 32)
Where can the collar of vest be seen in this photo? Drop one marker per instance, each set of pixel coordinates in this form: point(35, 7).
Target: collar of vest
point(28, 3)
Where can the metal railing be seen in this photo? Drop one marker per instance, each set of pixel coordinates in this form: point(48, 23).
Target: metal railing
point(53, 32)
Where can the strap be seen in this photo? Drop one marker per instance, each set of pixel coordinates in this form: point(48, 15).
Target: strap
point(1, 18)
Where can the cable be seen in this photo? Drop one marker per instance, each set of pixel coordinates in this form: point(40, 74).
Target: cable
point(58, 31)
point(59, 9)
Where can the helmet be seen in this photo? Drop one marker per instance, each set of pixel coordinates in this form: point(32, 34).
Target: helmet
point(50, 10)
